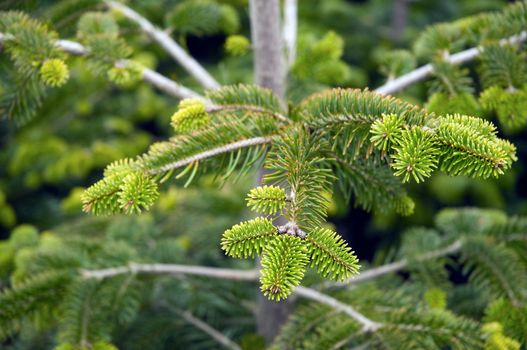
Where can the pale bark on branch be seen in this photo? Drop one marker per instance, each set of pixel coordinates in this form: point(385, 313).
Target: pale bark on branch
point(427, 70)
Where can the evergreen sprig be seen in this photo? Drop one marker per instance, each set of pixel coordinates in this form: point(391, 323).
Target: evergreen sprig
point(266, 199)
point(283, 264)
point(356, 136)
point(415, 155)
point(298, 161)
point(190, 116)
point(248, 238)
point(331, 255)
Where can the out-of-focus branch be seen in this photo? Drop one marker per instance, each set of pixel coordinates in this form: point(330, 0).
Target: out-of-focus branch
point(425, 71)
point(206, 328)
point(150, 76)
point(165, 41)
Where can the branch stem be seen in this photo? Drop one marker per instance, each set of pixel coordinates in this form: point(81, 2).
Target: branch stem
point(172, 269)
point(212, 332)
point(260, 140)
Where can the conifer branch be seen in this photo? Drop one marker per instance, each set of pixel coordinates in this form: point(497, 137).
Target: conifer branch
point(167, 43)
point(149, 76)
point(290, 29)
point(229, 274)
point(425, 71)
point(261, 140)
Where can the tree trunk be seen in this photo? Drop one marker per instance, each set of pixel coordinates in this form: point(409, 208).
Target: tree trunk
point(270, 72)
point(269, 60)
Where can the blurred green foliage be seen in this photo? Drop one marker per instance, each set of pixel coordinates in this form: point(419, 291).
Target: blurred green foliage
point(98, 117)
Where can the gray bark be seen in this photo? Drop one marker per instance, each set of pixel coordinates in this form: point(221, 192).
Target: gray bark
point(399, 19)
point(266, 35)
point(270, 72)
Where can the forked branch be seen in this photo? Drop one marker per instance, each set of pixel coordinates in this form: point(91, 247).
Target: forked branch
point(229, 274)
point(167, 43)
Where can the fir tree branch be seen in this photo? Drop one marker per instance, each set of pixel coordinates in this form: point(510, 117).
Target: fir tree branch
point(166, 42)
point(290, 29)
point(149, 76)
point(206, 328)
point(425, 71)
point(229, 274)
point(261, 140)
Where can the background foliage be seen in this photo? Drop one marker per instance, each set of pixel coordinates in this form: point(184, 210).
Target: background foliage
point(62, 143)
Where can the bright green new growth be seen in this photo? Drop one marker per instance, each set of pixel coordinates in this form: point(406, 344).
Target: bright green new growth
point(137, 192)
point(283, 265)
point(266, 199)
point(248, 238)
point(190, 116)
point(237, 45)
point(331, 255)
point(322, 249)
point(457, 144)
point(497, 340)
point(415, 155)
point(436, 298)
point(54, 72)
point(386, 132)
point(125, 75)
point(355, 143)
point(124, 189)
